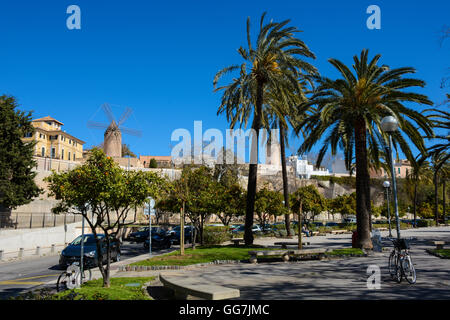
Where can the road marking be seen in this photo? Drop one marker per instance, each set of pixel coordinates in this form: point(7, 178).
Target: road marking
point(21, 283)
point(21, 280)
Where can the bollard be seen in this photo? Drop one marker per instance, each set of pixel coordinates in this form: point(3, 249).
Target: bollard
point(20, 253)
point(38, 251)
point(53, 249)
point(1, 255)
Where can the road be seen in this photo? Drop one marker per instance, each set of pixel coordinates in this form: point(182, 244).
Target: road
point(23, 275)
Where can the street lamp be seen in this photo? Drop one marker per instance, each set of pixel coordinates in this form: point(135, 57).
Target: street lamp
point(386, 186)
point(389, 124)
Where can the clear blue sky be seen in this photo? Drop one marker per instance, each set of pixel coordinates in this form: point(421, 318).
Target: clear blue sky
point(160, 57)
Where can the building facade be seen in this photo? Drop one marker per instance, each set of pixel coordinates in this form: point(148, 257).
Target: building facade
point(304, 170)
point(52, 142)
point(402, 168)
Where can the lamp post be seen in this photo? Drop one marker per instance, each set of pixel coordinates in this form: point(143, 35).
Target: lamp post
point(386, 186)
point(389, 124)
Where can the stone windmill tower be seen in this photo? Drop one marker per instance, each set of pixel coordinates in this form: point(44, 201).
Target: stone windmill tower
point(112, 141)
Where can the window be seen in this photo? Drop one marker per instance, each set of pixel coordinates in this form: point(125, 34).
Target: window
point(74, 156)
point(53, 152)
point(68, 157)
point(28, 135)
point(62, 154)
point(398, 170)
point(43, 152)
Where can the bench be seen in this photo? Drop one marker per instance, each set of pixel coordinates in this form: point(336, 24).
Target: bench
point(285, 244)
point(339, 231)
point(285, 254)
point(183, 287)
point(237, 240)
point(315, 233)
point(439, 244)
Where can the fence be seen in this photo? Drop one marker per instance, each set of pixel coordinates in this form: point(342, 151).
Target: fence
point(30, 220)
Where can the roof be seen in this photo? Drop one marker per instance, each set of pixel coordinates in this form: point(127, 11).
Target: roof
point(157, 158)
point(47, 118)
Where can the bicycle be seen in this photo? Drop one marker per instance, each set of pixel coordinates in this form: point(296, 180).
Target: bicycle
point(71, 278)
point(400, 262)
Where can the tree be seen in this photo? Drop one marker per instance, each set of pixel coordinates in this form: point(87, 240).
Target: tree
point(17, 185)
point(104, 194)
point(126, 151)
point(153, 163)
point(420, 173)
point(348, 115)
point(268, 203)
point(270, 66)
point(306, 200)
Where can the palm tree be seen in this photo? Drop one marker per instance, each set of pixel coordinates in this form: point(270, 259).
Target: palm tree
point(439, 152)
point(421, 173)
point(348, 115)
point(275, 68)
point(281, 114)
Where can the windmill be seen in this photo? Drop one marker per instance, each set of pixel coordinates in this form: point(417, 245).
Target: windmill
point(112, 143)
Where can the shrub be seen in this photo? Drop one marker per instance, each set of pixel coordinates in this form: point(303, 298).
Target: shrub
point(425, 223)
point(215, 235)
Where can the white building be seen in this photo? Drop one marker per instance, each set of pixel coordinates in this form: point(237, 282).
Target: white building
point(305, 170)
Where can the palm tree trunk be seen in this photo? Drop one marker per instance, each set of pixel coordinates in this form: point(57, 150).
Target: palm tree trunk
point(436, 197)
point(285, 180)
point(253, 170)
point(443, 200)
point(362, 187)
point(415, 206)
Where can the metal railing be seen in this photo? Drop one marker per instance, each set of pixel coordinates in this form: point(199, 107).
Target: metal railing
point(30, 220)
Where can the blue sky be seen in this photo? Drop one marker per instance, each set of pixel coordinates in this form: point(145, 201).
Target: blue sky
point(160, 57)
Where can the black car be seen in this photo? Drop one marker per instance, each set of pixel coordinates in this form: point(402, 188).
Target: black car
point(142, 234)
point(72, 252)
point(159, 241)
point(175, 234)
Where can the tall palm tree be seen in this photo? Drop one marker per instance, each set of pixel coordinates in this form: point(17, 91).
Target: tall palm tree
point(280, 114)
point(348, 115)
point(420, 173)
point(439, 152)
point(272, 65)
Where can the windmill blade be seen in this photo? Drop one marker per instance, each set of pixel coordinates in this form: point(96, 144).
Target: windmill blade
point(96, 125)
point(132, 132)
point(126, 114)
point(108, 112)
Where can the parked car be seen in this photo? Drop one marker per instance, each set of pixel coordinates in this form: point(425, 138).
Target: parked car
point(350, 219)
point(159, 241)
point(241, 228)
point(317, 224)
point(142, 234)
point(331, 224)
point(175, 234)
point(72, 252)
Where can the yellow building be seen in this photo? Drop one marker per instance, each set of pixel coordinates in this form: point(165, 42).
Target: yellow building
point(52, 142)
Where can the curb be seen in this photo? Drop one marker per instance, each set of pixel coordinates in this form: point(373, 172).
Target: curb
point(150, 268)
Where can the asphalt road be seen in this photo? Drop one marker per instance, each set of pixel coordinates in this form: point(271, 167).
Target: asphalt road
point(23, 275)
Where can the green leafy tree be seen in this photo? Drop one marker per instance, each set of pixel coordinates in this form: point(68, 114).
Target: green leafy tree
point(348, 115)
point(17, 185)
point(271, 66)
point(153, 163)
point(268, 203)
point(104, 194)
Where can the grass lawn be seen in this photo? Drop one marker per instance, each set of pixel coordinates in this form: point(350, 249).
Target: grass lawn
point(346, 252)
point(201, 255)
point(93, 290)
point(445, 253)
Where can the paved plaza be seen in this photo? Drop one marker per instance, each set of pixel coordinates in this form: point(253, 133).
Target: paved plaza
point(343, 278)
